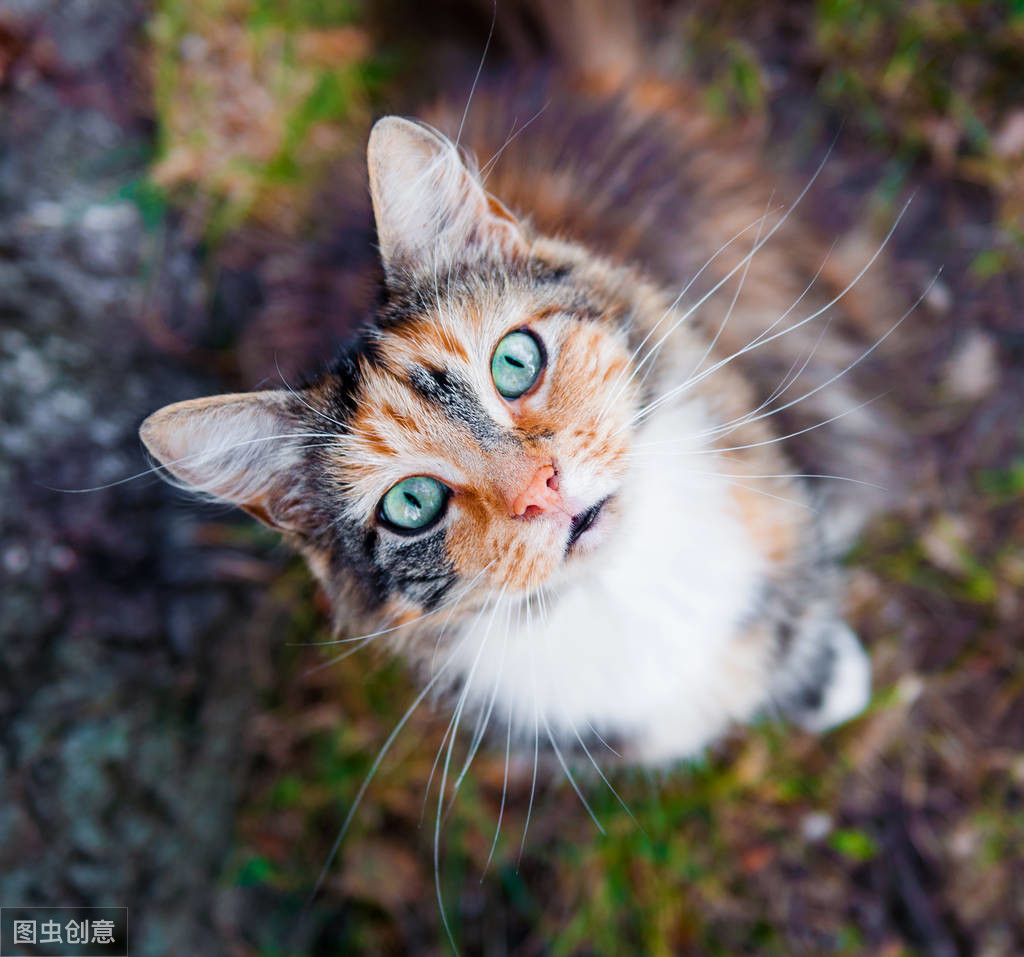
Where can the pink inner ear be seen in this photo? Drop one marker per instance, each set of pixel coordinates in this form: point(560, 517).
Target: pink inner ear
point(427, 203)
point(502, 229)
point(236, 447)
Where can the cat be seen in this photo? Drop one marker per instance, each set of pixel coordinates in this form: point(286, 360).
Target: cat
point(571, 467)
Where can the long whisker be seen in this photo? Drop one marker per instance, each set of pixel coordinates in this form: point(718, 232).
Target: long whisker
point(672, 393)
point(803, 295)
point(597, 768)
point(482, 726)
point(740, 265)
point(739, 290)
point(488, 167)
point(437, 846)
point(448, 618)
point(444, 776)
point(469, 100)
point(366, 783)
point(597, 734)
point(393, 628)
point(485, 717)
point(457, 712)
point(615, 391)
point(166, 466)
point(899, 322)
point(568, 774)
point(536, 739)
point(711, 450)
point(834, 378)
point(315, 411)
point(504, 792)
point(792, 374)
point(784, 475)
point(778, 498)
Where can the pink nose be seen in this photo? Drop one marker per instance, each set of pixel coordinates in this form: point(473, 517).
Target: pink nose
point(540, 495)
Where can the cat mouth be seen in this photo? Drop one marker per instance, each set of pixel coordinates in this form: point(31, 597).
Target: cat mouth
point(582, 522)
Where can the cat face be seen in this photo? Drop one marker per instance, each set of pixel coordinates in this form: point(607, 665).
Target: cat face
point(509, 488)
point(474, 440)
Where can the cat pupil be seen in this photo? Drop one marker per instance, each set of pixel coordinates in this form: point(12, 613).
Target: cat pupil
point(514, 362)
point(412, 500)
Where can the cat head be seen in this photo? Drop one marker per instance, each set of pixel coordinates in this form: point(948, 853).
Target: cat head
point(474, 439)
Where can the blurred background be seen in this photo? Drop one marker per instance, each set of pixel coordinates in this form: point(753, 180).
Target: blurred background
point(183, 210)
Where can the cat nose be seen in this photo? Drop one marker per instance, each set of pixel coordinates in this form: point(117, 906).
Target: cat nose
point(540, 495)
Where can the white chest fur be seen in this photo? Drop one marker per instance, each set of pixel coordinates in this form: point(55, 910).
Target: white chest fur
point(647, 643)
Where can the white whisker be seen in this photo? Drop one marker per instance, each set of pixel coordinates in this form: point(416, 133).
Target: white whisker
point(444, 773)
point(711, 450)
point(568, 774)
point(315, 411)
point(412, 621)
point(597, 768)
point(615, 391)
point(366, 783)
point(472, 90)
point(166, 466)
point(689, 383)
point(739, 290)
point(488, 167)
point(597, 734)
point(504, 792)
point(456, 714)
point(740, 265)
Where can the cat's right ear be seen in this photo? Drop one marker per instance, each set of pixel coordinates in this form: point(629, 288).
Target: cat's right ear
point(241, 448)
point(430, 209)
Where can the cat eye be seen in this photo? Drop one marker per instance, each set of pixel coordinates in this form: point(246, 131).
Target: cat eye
point(414, 503)
point(516, 363)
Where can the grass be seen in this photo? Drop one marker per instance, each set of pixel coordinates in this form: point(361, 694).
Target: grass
point(925, 81)
point(255, 99)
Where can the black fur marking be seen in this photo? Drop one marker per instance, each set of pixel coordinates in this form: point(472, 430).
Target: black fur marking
point(455, 395)
point(384, 565)
point(419, 569)
point(543, 273)
point(344, 376)
point(815, 685)
point(354, 551)
point(410, 296)
point(345, 380)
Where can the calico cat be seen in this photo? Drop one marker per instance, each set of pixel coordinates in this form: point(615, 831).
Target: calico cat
point(571, 467)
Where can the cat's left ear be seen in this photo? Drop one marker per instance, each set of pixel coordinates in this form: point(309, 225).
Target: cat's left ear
point(430, 209)
point(243, 448)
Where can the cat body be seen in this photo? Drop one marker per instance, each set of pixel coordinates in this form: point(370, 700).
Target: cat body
point(625, 550)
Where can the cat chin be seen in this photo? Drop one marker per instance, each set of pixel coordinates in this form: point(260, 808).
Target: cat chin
point(588, 550)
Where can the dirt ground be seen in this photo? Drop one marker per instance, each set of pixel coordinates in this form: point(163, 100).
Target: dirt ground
point(168, 743)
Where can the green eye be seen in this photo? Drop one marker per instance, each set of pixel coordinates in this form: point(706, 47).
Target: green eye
point(414, 502)
point(516, 364)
